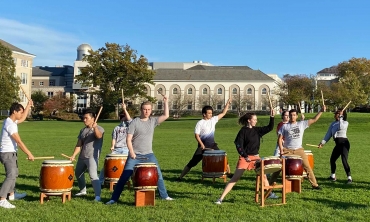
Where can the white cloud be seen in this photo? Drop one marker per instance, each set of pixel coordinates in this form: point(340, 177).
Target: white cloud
point(50, 47)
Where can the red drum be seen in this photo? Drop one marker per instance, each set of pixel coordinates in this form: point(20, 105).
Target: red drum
point(113, 166)
point(214, 163)
point(310, 161)
point(145, 176)
point(272, 164)
point(293, 167)
point(56, 176)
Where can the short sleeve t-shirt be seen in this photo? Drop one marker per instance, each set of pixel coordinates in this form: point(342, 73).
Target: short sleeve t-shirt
point(142, 134)
point(91, 146)
point(206, 130)
point(7, 142)
point(120, 133)
point(293, 134)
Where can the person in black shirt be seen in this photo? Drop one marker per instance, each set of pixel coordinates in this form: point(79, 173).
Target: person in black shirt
point(247, 144)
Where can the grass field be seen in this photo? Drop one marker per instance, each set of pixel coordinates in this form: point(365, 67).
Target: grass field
point(174, 145)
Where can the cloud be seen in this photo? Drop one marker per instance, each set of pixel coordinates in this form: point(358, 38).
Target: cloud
point(50, 47)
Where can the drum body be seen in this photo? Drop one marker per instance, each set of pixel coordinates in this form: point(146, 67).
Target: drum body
point(214, 163)
point(272, 164)
point(293, 167)
point(145, 176)
point(113, 166)
point(56, 176)
point(310, 161)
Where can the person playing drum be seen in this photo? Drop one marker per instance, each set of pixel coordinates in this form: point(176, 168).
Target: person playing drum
point(204, 134)
point(10, 139)
point(139, 142)
point(338, 130)
point(89, 143)
point(119, 145)
point(292, 133)
point(247, 144)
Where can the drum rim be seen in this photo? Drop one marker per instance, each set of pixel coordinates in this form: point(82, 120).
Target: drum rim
point(56, 162)
point(214, 151)
point(116, 155)
point(145, 164)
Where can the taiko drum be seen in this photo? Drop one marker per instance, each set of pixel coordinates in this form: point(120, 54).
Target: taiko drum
point(56, 176)
point(113, 166)
point(293, 167)
point(145, 176)
point(271, 164)
point(310, 161)
point(214, 163)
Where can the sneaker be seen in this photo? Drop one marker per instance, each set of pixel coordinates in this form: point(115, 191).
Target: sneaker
point(80, 194)
point(168, 198)
point(17, 196)
point(272, 196)
point(332, 179)
point(317, 188)
point(6, 204)
point(219, 202)
point(349, 181)
point(110, 202)
point(230, 175)
point(97, 199)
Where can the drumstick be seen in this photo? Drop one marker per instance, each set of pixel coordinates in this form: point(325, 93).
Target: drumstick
point(24, 92)
point(299, 106)
point(268, 94)
point(66, 156)
point(322, 97)
point(142, 158)
point(311, 145)
point(122, 96)
point(160, 93)
point(42, 157)
point(97, 117)
point(346, 105)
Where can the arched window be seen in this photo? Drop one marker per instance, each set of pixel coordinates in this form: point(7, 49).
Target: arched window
point(219, 91)
point(235, 91)
point(249, 91)
point(190, 91)
point(204, 91)
point(160, 90)
point(174, 91)
point(264, 91)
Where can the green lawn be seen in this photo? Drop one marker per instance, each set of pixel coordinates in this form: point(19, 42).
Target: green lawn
point(174, 145)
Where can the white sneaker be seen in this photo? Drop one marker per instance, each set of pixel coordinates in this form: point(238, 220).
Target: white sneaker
point(97, 199)
point(6, 204)
point(110, 202)
point(168, 198)
point(17, 196)
point(80, 194)
point(219, 202)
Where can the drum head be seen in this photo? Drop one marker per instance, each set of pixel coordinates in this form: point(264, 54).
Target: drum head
point(292, 157)
point(214, 152)
point(270, 158)
point(116, 155)
point(308, 151)
point(56, 161)
point(145, 164)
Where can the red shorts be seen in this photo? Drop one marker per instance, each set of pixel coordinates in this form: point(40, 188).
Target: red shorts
point(243, 164)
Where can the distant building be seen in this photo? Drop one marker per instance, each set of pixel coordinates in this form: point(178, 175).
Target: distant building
point(23, 69)
point(328, 75)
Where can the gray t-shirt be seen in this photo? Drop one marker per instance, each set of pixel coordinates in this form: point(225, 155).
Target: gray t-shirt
point(142, 134)
point(120, 133)
point(293, 134)
point(91, 146)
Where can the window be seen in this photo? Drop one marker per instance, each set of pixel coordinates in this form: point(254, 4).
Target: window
point(263, 106)
point(190, 91)
point(24, 63)
point(219, 106)
point(23, 78)
point(41, 83)
point(51, 83)
point(174, 91)
point(235, 91)
point(219, 91)
point(174, 106)
point(249, 91)
point(50, 94)
point(15, 61)
point(264, 91)
point(190, 105)
point(249, 106)
point(33, 83)
point(204, 91)
point(159, 105)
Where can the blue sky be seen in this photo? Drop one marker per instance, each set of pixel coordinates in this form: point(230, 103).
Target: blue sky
point(295, 37)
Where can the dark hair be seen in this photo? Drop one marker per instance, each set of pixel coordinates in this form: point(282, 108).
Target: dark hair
point(206, 108)
point(122, 115)
point(344, 113)
point(243, 120)
point(15, 107)
point(293, 111)
point(90, 112)
point(283, 113)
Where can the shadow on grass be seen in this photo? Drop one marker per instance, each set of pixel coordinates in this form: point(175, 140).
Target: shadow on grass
point(337, 204)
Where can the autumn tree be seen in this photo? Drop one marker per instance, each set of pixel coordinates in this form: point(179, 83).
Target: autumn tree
point(9, 84)
point(59, 102)
point(39, 98)
point(114, 68)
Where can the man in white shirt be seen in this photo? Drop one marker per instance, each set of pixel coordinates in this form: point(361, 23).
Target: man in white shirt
point(10, 140)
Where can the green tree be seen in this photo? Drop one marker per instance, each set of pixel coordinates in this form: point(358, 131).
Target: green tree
point(114, 68)
point(295, 88)
point(39, 98)
point(9, 84)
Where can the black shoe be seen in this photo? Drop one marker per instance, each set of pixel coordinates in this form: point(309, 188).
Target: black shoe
point(349, 181)
point(178, 179)
point(332, 179)
point(317, 188)
point(230, 175)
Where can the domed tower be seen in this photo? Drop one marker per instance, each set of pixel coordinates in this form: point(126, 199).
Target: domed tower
point(83, 50)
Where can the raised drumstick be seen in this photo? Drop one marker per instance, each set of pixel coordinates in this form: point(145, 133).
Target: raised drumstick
point(347, 105)
point(97, 116)
point(123, 100)
point(268, 94)
point(299, 106)
point(322, 97)
point(160, 93)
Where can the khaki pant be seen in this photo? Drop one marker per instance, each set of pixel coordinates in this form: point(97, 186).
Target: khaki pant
point(306, 165)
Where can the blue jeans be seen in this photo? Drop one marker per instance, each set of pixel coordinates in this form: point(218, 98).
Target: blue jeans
point(129, 169)
point(117, 150)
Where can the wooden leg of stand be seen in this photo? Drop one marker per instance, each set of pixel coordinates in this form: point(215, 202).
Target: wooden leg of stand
point(42, 195)
point(257, 188)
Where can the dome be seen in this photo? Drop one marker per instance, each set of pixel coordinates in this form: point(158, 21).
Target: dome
point(84, 47)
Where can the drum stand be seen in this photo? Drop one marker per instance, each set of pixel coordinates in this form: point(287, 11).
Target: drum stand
point(261, 188)
point(63, 195)
point(144, 197)
point(214, 177)
point(113, 182)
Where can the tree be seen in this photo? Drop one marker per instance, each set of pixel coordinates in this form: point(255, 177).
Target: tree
point(9, 84)
point(58, 103)
point(242, 102)
point(114, 68)
point(39, 98)
point(181, 102)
